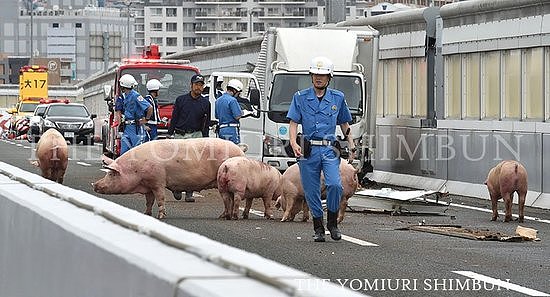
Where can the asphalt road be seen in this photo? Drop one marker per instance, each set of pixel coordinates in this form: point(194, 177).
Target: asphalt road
point(376, 258)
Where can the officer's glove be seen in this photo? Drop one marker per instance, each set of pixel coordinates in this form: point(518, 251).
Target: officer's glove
point(115, 124)
point(247, 113)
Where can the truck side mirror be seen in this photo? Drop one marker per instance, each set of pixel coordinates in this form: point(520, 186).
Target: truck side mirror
point(93, 116)
point(254, 97)
point(107, 91)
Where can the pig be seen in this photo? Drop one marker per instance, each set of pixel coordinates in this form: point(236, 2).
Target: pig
point(293, 200)
point(240, 178)
point(53, 155)
point(502, 181)
point(176, 164)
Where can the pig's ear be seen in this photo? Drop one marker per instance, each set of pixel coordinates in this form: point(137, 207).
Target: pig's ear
point(106, 160)
point(113, 167)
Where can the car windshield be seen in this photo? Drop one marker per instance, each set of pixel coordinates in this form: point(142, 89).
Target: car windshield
point(28, 107)
point(39, 109)
point(175, 82)
point(285, 85)
point(67, 111)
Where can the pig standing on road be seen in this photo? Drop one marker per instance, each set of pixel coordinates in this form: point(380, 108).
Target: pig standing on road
point(292, 200)
point(240, 178)
point(53, 155)
point(177, 164)
point(503, 180)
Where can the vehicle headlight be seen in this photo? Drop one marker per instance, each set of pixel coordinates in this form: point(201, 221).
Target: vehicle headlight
point(274, 146)
point(49, 123)
point(88, 125)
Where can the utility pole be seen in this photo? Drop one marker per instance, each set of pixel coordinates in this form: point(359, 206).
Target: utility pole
point(128, 3)
point(31, 9)
point(105, 51)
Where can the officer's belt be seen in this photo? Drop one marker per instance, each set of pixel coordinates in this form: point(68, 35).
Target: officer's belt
point(153, 122)
point(229, 125)
point(130, 122)
point(183, 131)
point(323, 142)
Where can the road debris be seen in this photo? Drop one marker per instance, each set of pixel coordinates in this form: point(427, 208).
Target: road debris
point(473, 234)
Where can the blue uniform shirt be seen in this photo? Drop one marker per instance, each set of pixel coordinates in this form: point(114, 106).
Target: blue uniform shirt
point(227, 109)
point(134, 106)
point(319, 118)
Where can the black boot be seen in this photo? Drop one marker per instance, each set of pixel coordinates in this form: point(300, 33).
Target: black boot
point(332, 225)
point(319, 230)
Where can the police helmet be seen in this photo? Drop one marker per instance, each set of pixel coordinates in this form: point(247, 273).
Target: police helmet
point(127, 81)
point(321, 65)
point(235, 84)
point(153, 85)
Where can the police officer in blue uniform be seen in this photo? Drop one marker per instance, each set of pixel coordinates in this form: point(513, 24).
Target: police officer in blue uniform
point(136, 110)
point(319, 110)
point(153, 87)
point(228, 112)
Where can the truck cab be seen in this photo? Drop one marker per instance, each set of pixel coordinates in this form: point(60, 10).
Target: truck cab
point(175, 76)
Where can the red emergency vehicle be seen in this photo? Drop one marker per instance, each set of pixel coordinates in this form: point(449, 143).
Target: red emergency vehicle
point(175, 76)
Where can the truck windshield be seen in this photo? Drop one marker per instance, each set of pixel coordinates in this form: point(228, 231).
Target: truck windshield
point(285, 85)
point(175, 82)
point(28, 107)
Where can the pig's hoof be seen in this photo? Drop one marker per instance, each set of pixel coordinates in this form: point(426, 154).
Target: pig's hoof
point(245, 216)
point(149, 213)
point(162, 215)
point(520, 220)
point(494, 219)
point(269, 217)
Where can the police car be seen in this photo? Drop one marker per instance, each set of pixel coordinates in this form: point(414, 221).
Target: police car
point(73, 120)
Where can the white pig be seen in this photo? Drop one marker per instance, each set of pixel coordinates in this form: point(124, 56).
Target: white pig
point(53, 155)
point(241, 178)
point(293, 199)
point(176, 164)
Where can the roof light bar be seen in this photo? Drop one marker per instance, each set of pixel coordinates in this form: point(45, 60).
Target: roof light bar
point(139, 60)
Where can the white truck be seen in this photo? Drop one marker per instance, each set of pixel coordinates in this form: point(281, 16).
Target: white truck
point(282, 69)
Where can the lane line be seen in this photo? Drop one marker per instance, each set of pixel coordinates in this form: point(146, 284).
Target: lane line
point(83, 164)
point(27, 147)
point(344, 237)
point(501, 283)
point(489, 211)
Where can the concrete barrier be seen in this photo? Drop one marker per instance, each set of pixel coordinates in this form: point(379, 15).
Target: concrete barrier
point(58, 241)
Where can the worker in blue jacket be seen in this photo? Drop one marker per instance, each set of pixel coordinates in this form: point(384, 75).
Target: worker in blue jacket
point(228, 112)
point(319, 110)
point(136, 111)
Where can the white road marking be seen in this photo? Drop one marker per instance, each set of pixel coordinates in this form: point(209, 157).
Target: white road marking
point(70, 159)
point(344, 237)
point(27, 147)
point(19, 144)
point(490, 211)
point(501, 283)
point(83, 164)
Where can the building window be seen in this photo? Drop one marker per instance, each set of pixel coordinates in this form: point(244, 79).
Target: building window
point(171, 27)
point(156, 26)
point(171, 12)
point(155, 11)
point(171, 41)
point(78, 25)
point(157, 40)
point(55, 25)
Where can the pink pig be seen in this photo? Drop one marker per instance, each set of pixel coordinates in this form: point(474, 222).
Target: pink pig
point(241, 178)
point(293, 199)
point(53, 155)
point(176, 164)
point(503, 180)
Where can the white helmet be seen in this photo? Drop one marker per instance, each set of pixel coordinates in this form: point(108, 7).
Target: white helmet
point(321, 65)
point(127, 81)
point(235, 84)
point(153, 85)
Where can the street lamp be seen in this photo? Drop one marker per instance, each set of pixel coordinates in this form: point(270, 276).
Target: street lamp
point(250, 13)
point(128, 3)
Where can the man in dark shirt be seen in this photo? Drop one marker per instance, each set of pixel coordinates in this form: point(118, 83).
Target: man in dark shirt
point(190, 118)
point(191, 114)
